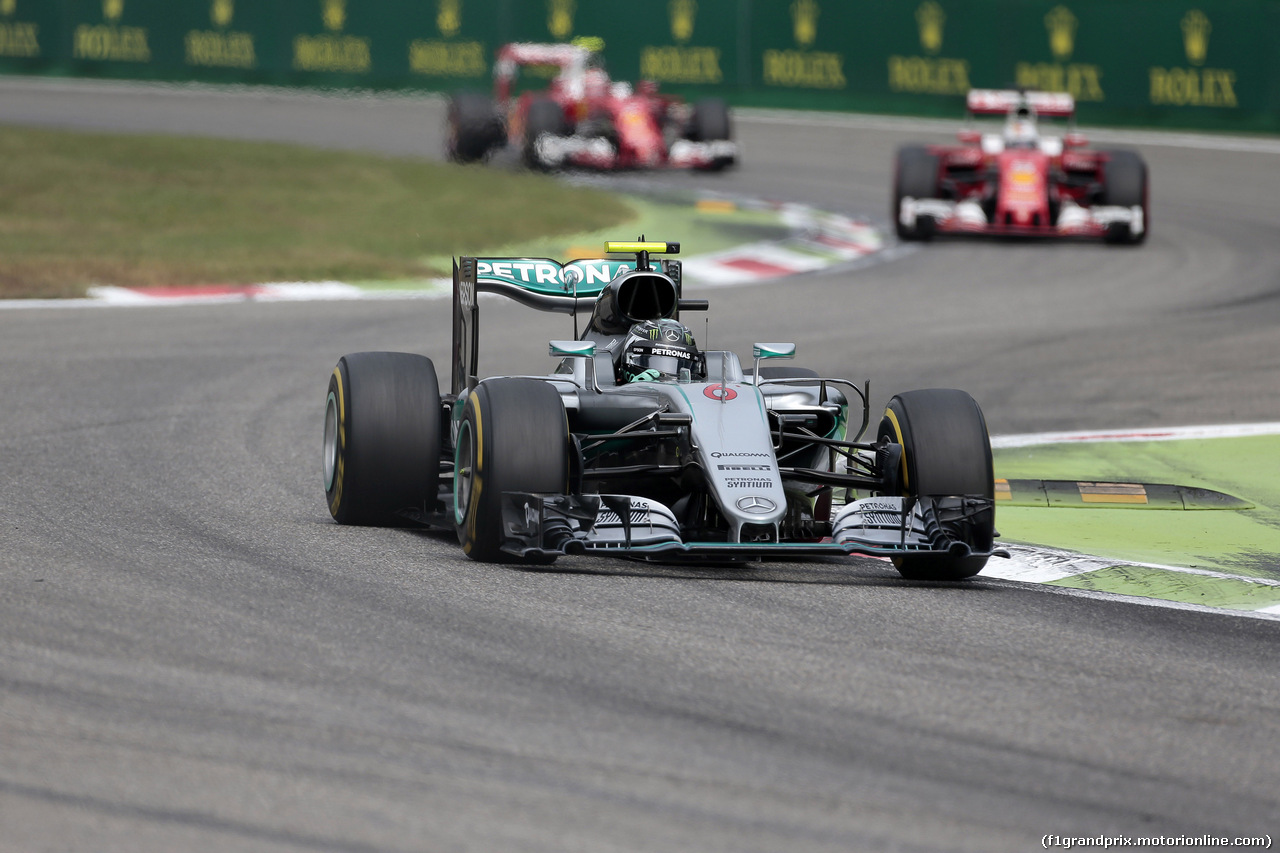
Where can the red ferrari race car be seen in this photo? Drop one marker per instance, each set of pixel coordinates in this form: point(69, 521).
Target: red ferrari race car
point(1019, 182)
point(584, 119)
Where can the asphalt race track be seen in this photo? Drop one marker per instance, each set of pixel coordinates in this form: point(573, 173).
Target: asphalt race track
point(194, 657)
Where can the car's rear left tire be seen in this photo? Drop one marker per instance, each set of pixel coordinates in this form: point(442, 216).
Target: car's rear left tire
point(513, 437)
point(945, 451)
point(381, 437)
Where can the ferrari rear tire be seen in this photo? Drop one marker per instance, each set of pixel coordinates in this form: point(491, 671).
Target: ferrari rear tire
point(474, 128)
point(1124, 184)
point(945, 451)
point(513, 437)
point(915, 176)
point(544, 116)
point(381, 437)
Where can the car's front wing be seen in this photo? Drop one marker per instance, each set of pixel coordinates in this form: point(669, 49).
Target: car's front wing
point(542, 526)
point(597, 152)
point(967, 217)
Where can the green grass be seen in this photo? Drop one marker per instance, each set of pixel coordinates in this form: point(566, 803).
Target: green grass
point(1244, 542)
point(78, 209)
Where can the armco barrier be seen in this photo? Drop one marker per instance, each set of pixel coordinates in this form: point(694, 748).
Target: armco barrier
point(1202, 63)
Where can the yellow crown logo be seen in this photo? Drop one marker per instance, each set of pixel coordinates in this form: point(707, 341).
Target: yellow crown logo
point(804, 17)
point(560, 17)
point(682, 14)
point(8, 7)
point(930, 18)
point(1061, 25)
point(221, 12)
point(1195, 36)
point(334, 13)
point(112, 9)
point(449, 17)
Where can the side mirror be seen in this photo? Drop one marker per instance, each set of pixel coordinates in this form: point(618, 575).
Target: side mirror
point(763, 351)
point(759, 351)
point(584, 370)
point(573, 349)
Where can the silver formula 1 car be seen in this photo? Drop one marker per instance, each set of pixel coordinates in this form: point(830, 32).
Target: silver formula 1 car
point(637, 444)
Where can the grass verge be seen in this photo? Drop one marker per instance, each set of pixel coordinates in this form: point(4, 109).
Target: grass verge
point(78, 209)
point(1245, 542)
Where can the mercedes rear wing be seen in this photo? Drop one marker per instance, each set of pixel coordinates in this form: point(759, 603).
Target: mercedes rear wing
point(539, 283)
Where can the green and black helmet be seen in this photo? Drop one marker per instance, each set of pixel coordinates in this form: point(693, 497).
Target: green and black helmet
point(664, 346)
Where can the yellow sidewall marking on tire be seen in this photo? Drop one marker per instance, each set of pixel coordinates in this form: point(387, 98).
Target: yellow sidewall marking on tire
point(341, 448)
point(897, 433)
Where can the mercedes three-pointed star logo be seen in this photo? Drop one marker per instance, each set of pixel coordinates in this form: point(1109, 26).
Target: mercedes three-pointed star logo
point(755, 504)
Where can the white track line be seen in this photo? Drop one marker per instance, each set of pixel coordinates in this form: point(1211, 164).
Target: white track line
point(1149, 434)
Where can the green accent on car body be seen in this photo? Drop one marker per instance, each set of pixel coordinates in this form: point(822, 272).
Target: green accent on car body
point(543, 275)
point(573, 349)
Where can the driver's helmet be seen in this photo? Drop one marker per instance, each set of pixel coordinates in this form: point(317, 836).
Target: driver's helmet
point(660, 349)
point(1020, 130)
point(594, 45)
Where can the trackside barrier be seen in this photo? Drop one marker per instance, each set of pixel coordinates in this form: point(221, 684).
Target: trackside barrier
point(1173, 63)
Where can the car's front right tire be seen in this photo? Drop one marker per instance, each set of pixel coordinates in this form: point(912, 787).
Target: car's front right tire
point(945, 452)
point(915, 176)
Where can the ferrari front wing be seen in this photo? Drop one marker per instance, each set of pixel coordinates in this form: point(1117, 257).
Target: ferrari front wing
point(968, 217)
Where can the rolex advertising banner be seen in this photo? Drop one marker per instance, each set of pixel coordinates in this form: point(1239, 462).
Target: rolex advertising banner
point(1200, 63)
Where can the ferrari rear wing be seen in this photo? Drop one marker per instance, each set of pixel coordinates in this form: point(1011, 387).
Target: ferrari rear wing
point(568, 58)
point(988, 102)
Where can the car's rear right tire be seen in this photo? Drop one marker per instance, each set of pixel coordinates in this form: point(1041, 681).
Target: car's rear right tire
point(513, 437)
point(915, 176)
point(945, 452)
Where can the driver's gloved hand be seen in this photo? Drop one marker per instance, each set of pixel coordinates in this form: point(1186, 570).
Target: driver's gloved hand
point(645, 376)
